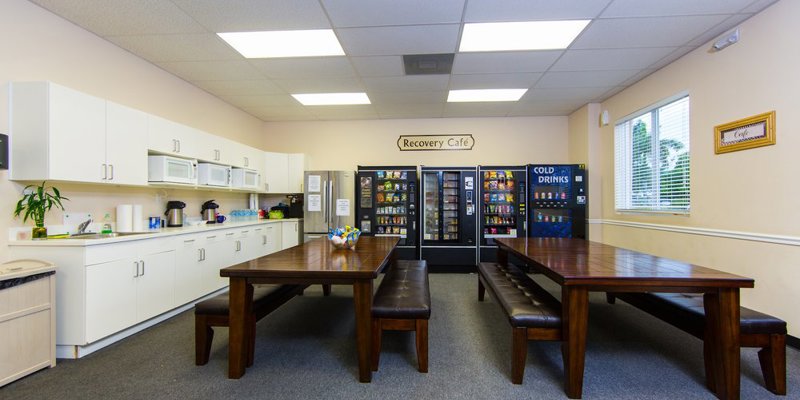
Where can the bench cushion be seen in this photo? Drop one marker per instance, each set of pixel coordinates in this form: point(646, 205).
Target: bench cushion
point(526, 303)
point(689, 308)
point(404, 292)
point(262, 295)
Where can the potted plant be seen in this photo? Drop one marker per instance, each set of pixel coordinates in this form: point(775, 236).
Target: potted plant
point(36, 201)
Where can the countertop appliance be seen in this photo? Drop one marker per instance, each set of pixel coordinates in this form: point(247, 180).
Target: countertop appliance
point(328, 201)
point(213, 174)
point(174, 213)
point(387, 204)
point(171, 169)
point(245, 178)
point(209, 212)
point(295, 206)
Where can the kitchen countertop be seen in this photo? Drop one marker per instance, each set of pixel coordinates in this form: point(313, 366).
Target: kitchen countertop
point(164, 232)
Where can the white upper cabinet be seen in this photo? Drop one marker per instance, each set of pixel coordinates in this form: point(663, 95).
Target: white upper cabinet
point(126, 145)
point(276, 172)
point(298, 164)
point(62, 134)
point(168, 137)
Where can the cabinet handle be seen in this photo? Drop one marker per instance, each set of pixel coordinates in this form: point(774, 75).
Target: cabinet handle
point(230, 234)
point(174, 146)
point(112, 172)
point(179, 145)
point(204, 254)
point(295, 227)
point(142, 267)
point(211, 237)
point(105, 172)
point(199, 254)
point(246, 162)
point(189, 241)
point(266, 187)
point(137, 269)
point(264, 239)
point(243, 232)
point(238, 245)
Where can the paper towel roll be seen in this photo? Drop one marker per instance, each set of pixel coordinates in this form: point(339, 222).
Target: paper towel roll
point(125, 218)
point(138, 223)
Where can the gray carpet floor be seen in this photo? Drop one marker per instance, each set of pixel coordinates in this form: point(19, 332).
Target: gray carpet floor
point(306, 350)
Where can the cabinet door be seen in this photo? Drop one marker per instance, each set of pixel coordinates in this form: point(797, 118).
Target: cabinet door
point(162, 135)
point(110, 298)
point(126, 145)
point(297, 166)
point(219, 253)
point(289, 234)
point(77, 144)
point(188, 269)
point(276, 169)
point(155, 285)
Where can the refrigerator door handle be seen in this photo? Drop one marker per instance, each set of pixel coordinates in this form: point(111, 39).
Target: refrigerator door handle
point(330, 200)
point(325, 206)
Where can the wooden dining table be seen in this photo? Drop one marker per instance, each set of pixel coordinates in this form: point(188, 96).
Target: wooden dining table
point(580, 266)
point(313, 262)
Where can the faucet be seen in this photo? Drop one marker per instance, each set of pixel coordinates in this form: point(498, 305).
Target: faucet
point(83, 225)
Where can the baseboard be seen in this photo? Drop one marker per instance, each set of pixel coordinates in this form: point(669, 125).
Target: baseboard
point(792, 341)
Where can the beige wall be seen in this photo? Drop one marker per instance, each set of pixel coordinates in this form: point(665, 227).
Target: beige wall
point(36, 45)
point(498, 141)
point(752, 192)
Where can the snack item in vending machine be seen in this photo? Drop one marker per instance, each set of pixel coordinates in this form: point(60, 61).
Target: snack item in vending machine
point(509, 175)
point(486, 197)
point(492, 174)
point(536, 195)
point(379, 197)
point(563, 195)
point(403, 175)
point(381, 174)
point(387, 185)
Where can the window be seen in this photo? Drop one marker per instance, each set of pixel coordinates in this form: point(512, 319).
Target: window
point(651, 159)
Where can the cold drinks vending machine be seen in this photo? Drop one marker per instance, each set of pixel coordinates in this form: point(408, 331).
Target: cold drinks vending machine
point(557, 198)
point(449, 216)
point(387, 201)
point(503, 200)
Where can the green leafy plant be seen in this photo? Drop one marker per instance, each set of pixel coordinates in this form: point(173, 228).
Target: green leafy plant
point(36, 201)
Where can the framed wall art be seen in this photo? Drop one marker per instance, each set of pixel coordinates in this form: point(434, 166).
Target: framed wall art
point(747, 133)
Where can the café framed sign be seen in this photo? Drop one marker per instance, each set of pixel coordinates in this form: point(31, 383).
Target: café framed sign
point(747, 133)
point(435, 142)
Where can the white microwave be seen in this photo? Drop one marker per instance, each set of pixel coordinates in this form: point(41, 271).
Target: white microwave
point(213, 174)
point(245, 178)
point(171, 169)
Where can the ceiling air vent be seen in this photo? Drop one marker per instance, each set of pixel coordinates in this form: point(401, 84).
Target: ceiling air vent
point(428, 64)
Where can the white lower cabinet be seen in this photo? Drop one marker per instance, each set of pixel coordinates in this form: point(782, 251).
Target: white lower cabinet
point(290, 236)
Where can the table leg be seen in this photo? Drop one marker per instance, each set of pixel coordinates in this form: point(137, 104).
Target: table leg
point(722, 322)
point(362, 296)
point(575, 317)
point(240, 306)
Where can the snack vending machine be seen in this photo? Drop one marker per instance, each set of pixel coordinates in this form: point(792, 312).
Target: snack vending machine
point(557, 197)
point(387, 201)
point(449, 216)
point(503, 201)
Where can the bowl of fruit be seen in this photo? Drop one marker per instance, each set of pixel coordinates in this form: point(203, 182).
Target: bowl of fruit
point(344, 238)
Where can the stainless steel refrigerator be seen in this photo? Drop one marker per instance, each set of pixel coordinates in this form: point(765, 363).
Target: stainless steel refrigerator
point(328, 202)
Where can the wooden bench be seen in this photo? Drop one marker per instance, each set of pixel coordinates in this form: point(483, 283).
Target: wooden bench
point(403, 303)
point(214, 312)
point(686, 312)
point(534, 314)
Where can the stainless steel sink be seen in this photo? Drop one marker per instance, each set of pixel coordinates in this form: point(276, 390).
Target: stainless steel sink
point(95, 235)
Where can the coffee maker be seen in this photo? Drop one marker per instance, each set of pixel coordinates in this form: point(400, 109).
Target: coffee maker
point(209, 212)
point(174, 213)
point(295, 206)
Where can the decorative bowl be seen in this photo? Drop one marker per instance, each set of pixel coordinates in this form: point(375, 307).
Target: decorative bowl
point(344, 238)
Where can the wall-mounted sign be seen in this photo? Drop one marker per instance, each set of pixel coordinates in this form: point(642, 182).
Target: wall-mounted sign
point(435, 142)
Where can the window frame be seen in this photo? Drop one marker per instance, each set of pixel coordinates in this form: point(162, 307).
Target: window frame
point(629, 208)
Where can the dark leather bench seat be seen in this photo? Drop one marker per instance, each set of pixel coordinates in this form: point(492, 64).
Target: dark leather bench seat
point(534, 314)
point(403, 302)
point(686, 312)
point(214, 312)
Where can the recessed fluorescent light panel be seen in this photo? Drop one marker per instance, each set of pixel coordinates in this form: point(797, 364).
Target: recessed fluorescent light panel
point(507, 36)
point(273, 44)
point(329, 99)
point(459, 96)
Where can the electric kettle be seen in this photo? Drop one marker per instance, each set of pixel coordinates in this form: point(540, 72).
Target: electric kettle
point(209, 212)
point(174, 213)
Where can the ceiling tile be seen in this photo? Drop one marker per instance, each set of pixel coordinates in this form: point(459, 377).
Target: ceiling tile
point(540, 95)
point(178, 47)
point(532, 10)
point(296, 113)
point(320, 85)
point(637, 77)
point(584, 79)
point(494, 81)
point(485, 109)
point(504, 62)
point(644, 32)
point(239, 88)
point(212, 70)
point(669, 58)
point(725, 27)
point(415, 83)
point(651, 8)
point(758, 6)
point(399, 40)
point(378, 65)
point(543, 109)
point(305, 67)
point(610, 59)
point(419, 110)
point(343, 112)
point(124, 17)
point(349, 13)
point(268, 100)
point(255, 15)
